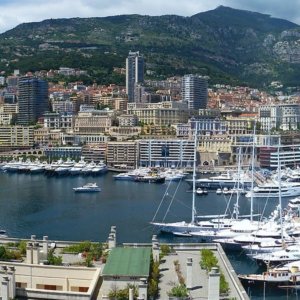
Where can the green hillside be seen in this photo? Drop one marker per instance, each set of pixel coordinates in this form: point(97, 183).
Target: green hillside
point(229, 45)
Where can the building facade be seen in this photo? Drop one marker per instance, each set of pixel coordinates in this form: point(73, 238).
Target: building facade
point(16, 137)
point(194, 91)
point(165, 153)
point(282, 116)
point(162, 114)
point(134, 73)
point(92, 123)
point(33, 99)
point(122, 154)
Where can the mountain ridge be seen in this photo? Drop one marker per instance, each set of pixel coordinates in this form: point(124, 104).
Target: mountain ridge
point(226, 44)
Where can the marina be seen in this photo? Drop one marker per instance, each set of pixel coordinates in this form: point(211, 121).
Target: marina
point(47, 205)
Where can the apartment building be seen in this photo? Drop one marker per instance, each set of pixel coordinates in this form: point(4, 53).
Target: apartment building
point(63, 106)
point(92, 123)
point(281, 116)
point(33, 99)
point(134, 73)
point(41, 136)
point(122, 154)
point(64, 121)
point(162, 113)
point(16, 137)
point(94, 152)
point(128, 120)
point(165, 153)
point(194, 91)
point(8, 113)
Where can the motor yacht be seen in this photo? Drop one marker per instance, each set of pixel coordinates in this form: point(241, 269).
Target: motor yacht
point(88, 168)
point(290, 253)
point(100, 168)
point(223, 180)
point(282, 274)
point(76, 169)
point(271, 190)
point(64, 167)
point(88, 188)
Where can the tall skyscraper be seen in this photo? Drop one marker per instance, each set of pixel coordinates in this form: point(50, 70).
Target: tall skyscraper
point(194, 91)
point(134, 73)
point(33, 99)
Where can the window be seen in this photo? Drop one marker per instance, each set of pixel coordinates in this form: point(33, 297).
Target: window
point(21, 285)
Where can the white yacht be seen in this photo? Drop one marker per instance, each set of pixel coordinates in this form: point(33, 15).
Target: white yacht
point(268, 246)
point(13, 166)
point(294, 203)
point(271, 190)
point(228, 180)
point(100, 168)
point(37, 167)
point(289, 254)
point(243, 226)
point(131, 175)
point(268, 232)
point(25, 166)
point(172, 174)
point(76, 169)
point(88, 188)
point(124, 176)
point(64, 167)
point(88, 168)
point(54, 165)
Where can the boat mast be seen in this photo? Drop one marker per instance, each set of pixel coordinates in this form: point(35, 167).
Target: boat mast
point(236, 206)
point(279, 189)
point(252, 173)
point(194, 173)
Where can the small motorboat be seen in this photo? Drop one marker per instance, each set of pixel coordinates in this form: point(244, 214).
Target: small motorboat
point(199, 191)
point(218, 191)
point(89, 187)
point(182, 234)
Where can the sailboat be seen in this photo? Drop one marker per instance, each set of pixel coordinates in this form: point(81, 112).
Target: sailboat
point(215, 222)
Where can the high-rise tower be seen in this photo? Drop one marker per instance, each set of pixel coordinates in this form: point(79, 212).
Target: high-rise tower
point(33, 99)
point(194, 91)
point(134, 73)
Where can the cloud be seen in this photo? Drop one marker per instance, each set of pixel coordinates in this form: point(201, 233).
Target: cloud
point(14, 12)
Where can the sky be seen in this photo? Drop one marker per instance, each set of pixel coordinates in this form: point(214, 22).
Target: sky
point(14, 12)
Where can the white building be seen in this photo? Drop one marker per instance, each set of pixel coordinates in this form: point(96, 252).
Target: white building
point(194, 91)
point(166, 153)
point(282, 116)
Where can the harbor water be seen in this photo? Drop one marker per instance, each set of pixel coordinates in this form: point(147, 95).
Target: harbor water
point(47, 205)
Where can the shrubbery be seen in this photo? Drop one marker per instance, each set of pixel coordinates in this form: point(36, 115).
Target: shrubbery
point(122, 294)
point(6, 254)
point(209, 261)
point(179, 291)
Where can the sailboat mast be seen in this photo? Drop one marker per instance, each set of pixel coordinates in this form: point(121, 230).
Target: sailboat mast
point(279, 187)
point(194, 173)
point(252, 172)
point(236, 208)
